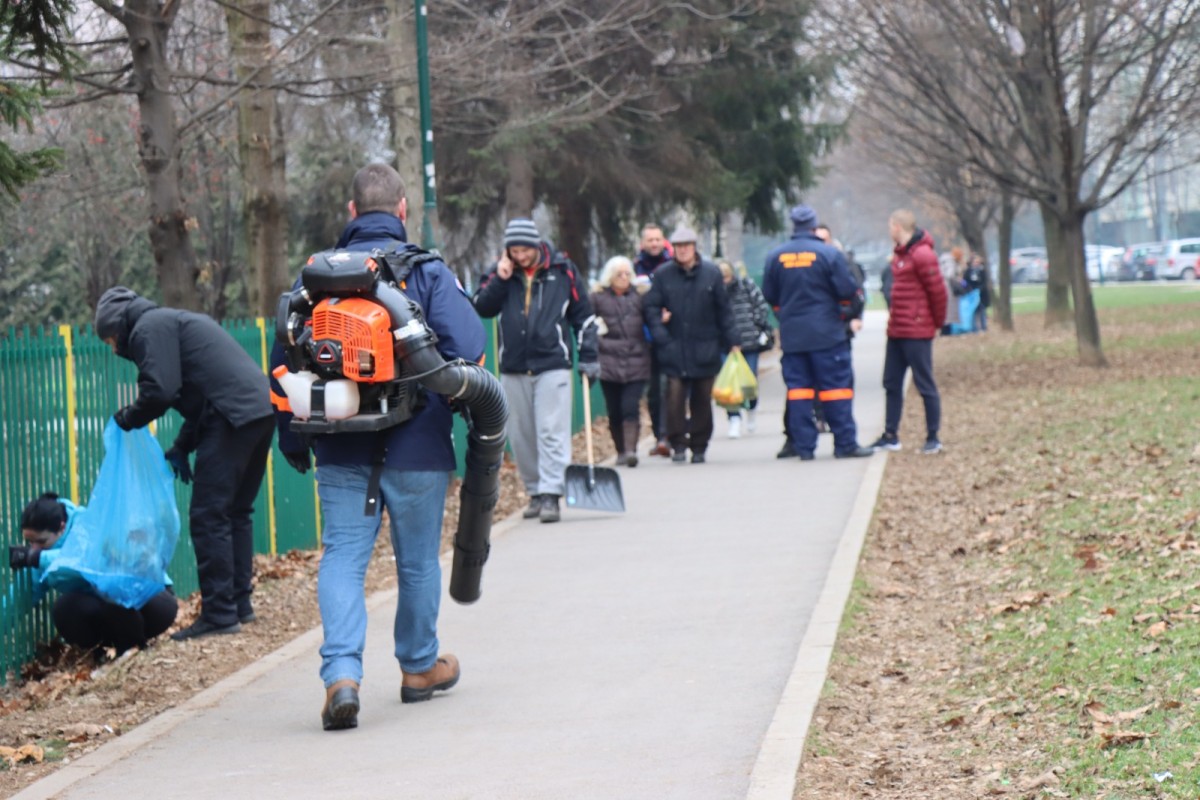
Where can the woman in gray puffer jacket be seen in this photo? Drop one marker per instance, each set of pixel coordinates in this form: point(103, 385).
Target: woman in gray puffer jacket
point(624, 354)
point(752, 319)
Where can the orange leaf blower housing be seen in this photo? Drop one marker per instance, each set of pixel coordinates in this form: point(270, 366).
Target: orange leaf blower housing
point(363, 327)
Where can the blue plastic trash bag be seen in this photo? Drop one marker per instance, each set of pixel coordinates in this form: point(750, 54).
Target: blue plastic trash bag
point(122, 542)
point(967, 304)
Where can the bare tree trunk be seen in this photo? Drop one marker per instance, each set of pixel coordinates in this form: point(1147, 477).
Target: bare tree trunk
point(574, 223)
point(518, 193)
point(262, 153)
point(1058, 271)
point(1087, 326)
point(148, 24)
point(1004, 295)
point(404, 114)
point(732, 234)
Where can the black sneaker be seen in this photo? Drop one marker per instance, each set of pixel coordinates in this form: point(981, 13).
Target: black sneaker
point(887, 442)
point(679, 457)
point(932, 447)
point(534, 508)
point(697, 458)
point(549, 511)
point(787, 451)
point(203, 627)
point(806, 456)
point(246, 615)
point(857, 452)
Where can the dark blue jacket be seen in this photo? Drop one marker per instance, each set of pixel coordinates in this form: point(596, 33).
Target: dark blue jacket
point(805, 281)
point(424, 442)
point(535, 314)
point(646, 264)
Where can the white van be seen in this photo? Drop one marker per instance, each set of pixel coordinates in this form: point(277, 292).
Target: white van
point(1178, 259)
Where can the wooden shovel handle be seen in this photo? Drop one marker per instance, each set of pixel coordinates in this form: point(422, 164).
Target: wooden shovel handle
point(587, 418)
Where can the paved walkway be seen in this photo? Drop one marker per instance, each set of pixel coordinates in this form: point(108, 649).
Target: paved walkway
point(638, 656)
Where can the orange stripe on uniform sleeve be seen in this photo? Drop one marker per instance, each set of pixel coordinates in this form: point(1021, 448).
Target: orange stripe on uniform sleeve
point(836, 394)
point(801, 394)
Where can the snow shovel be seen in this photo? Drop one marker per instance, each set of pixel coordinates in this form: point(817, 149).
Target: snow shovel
point(589, 486)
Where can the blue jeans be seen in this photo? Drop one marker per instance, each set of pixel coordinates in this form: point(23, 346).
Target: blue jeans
point(752, 360)
point(415, 502)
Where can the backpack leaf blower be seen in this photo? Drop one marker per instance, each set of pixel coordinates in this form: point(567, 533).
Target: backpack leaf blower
point(358, 354)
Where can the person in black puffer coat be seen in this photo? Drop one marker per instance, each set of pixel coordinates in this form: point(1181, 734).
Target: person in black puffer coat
point(624, 354)
point(752, 318)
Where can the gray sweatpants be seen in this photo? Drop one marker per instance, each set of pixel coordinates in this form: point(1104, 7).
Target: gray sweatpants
point(539, 428)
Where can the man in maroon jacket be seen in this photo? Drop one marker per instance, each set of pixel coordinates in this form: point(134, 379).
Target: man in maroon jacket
point(918, 312)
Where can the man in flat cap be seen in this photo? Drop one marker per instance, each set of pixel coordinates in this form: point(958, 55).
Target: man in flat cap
point(691, 324)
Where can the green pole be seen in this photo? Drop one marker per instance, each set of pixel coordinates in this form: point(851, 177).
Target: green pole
point(428, 241)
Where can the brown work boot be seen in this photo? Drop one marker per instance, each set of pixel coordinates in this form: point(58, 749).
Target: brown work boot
point(420, 686)
point(341, 706)
point(661, 449)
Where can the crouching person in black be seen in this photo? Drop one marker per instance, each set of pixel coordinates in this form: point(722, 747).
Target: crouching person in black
point(83, 618)
point(188, 362)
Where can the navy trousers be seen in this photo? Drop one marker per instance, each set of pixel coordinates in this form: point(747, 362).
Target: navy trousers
point(826, 375)
point(917, 355)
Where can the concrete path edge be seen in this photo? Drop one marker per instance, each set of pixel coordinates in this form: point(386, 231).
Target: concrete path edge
point(152, 729)
point(775, 769)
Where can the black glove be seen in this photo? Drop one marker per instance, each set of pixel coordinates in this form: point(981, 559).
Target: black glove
point(300, 461)
point(23, 556)
point(591, 369)
point(121, 418)
point(179, 464)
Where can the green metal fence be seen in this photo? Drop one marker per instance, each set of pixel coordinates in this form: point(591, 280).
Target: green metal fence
point(58, 389)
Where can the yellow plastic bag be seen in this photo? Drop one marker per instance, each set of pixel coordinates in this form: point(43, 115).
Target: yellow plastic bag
point(735, 385)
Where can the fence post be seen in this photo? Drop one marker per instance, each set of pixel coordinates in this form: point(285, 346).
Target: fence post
point(262, 331)
point(67, 335)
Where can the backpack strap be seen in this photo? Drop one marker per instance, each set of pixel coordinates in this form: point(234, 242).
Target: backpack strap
point(400, 263)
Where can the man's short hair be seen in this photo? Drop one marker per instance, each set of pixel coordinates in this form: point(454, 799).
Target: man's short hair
point(906, 219)
point(377, 187)
point(651, 226)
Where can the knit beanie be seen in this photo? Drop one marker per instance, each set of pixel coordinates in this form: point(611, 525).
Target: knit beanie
point(803, 218)
point(521, 233)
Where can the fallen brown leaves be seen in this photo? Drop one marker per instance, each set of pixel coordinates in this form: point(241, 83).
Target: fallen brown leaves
point(939, 558)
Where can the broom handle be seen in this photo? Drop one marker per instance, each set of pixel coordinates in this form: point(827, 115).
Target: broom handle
point(587, 418)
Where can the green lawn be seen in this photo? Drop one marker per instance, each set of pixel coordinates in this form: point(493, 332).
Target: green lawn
point(1030, 299)
point(1114, 624)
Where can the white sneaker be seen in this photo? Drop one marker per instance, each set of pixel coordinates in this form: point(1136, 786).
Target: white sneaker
point(735, 427)
point(750, 421)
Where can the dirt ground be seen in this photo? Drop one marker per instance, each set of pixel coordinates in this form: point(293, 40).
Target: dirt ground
point(891, 722)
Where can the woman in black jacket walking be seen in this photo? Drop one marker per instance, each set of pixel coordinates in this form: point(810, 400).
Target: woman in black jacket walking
point(624, 354)
point(752, 318)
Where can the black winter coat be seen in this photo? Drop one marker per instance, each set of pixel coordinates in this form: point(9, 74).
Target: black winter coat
point(624, 351)
point(692, 344)
point(185, 361)
point(751, 315)
point(535, 314)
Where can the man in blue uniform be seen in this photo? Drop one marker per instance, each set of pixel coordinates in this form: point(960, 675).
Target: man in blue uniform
point(807, 281)
point(418, 459)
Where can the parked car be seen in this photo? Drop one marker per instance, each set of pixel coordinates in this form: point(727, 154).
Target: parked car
point(1138, 261)
point(1029, 265)
point(1102, 257)
point(1178, 259)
